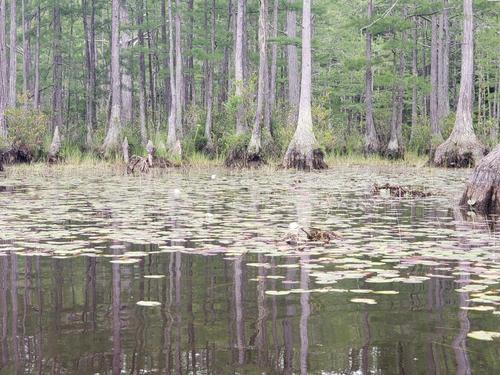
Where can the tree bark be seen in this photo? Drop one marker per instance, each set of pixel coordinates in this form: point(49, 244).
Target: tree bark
point(482, 193)
point(112, 141)
point(189, 95)
point(179, 78)
point(238, 68)
point(3, 70)
point(173, 143)
point(13, 55)
point(372, 144)
point(395, 148)
point(462, 148)
point(255, 145)
point(142, 75)
point(126, 78)
point(443, 66)
point(300, 153)
point(414, 72)
point(210, 83)
point(90, 64)
point(226, 64)
point(434, 97)
point(57, 119)
point(293, 65)
point(36, 78)
point(26, 55)
point(274, 67)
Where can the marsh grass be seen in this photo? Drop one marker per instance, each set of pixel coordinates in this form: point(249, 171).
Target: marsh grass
point(77, 162)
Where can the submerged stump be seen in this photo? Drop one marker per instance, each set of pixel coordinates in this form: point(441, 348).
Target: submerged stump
point(482, 193)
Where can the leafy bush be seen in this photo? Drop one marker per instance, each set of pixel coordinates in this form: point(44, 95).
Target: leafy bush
point(27, 129)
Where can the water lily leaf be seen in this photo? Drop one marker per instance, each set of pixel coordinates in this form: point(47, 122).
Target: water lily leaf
point(484, 335)
point(149, 303)
point(368, 301)
point(277, 292)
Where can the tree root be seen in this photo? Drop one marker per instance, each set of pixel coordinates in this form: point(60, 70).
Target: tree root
point(305, 161)
point(239, 158)
point(459, 152)
point(482, 193)
point(399, 191)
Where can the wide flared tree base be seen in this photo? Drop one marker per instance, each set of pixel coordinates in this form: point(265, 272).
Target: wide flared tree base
point(307, 161)
point(482, 193)
point(395, 153)
point(239, 158)
point(459, 152)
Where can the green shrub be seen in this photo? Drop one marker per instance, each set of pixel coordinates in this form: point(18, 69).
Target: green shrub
point(27, 129)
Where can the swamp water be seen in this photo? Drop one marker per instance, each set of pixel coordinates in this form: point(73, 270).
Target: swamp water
point(191, 274)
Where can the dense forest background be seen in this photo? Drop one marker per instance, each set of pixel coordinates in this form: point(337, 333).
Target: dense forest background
point(217, 67)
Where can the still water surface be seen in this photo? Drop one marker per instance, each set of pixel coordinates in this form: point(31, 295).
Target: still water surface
point(78, 253)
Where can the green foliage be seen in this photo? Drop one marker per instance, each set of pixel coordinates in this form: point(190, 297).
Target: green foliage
point(27, 129)
point(421, 136)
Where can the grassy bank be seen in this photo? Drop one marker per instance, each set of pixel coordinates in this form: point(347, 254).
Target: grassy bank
point(90, 164)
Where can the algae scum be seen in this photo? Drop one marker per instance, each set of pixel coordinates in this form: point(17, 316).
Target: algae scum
point(211, 274)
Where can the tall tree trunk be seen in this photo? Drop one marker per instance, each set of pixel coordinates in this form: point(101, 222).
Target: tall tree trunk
point(189, 78)
point(112, 140)
point(126, 78)
point(3, 70)
point(57, 119)
point(166, 80)
point(172, 142)
point(90, 64)
point(255, 146)
point(300, 153)
point(36, 78)
point(179, 78)
point(395, 148)
point(414, 72)
point(372, 144)
point(434, 97)
point(13, 55)
point(274, 66)
point(210, 83)
point(57, 116)
point(462, 148)
point(443, 66)
point(26, 54)
point(238, 68)
point(142, 74)
point(293, 65)
point(226, 64)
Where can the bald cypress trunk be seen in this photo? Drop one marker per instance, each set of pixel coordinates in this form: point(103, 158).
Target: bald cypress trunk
point(210, 83)
point(274, 67)
point(292, 63)
point(179, 78)
point(36, 75)
point(112, 141)
point(414, 72)
point(90, 64)
point(3, 70)
point(395, 148)
point(483, 189)
point(443, 66)
point(238, 67)
point(57, 119)
point(26, 54)
point(371, 139)
point(255, 145)
point(173, 143)
point(434, 97)
point(13, 55)
point(126, 105)
point(462, 148)
point(142, 75)
point(300, 153)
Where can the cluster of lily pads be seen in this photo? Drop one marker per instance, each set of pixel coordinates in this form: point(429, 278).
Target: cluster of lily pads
point(386, 242)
